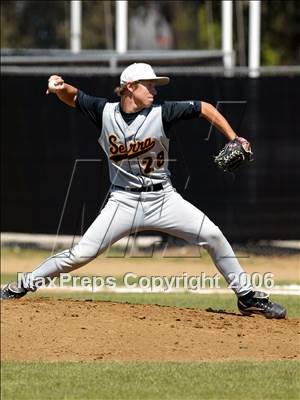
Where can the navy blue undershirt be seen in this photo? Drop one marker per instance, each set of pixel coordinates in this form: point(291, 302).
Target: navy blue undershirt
point(172, 111)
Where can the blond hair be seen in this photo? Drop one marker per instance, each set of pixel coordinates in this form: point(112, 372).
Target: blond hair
point(120, 90)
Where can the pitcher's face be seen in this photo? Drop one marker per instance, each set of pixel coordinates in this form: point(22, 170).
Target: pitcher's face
point(144, 92)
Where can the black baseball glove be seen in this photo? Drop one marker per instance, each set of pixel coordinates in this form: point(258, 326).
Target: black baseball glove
point(234, 154)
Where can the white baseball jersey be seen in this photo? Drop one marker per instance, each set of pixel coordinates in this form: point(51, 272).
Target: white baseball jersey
point(137, 153)
point(136, 144)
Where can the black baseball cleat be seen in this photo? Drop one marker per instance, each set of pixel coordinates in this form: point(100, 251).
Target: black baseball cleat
point(12, 291)
point(259, 303)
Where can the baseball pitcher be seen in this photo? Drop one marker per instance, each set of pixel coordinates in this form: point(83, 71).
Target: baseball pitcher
point(134, 133)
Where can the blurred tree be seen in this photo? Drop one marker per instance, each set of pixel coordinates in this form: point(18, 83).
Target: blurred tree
point(97, 24)
point(280, 32)
point(184, 24)
point(209, 31)
point(192, 24)
point(35, 24)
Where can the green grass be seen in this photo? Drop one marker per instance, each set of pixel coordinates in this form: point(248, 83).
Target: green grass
point(20, 252)
point(174, 254)
point(145, 381)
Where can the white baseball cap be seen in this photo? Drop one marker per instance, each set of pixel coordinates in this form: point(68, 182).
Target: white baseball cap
point(140, 71)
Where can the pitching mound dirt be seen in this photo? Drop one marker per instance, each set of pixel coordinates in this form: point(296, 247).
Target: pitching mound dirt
point(68, 330)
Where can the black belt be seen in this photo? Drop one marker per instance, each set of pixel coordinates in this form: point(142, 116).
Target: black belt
point(151, 188)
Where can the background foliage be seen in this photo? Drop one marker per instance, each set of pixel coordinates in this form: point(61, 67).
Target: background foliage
point(185, 24)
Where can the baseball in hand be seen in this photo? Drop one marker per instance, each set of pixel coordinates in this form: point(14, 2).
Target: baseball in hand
point(53, 85)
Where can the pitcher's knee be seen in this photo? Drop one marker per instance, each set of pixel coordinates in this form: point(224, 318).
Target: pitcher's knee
point(80, 255)
point(85, 252)
point(214, 237)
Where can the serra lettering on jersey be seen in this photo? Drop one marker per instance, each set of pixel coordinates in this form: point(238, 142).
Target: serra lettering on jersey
point(136, 152)
point(120, 152)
